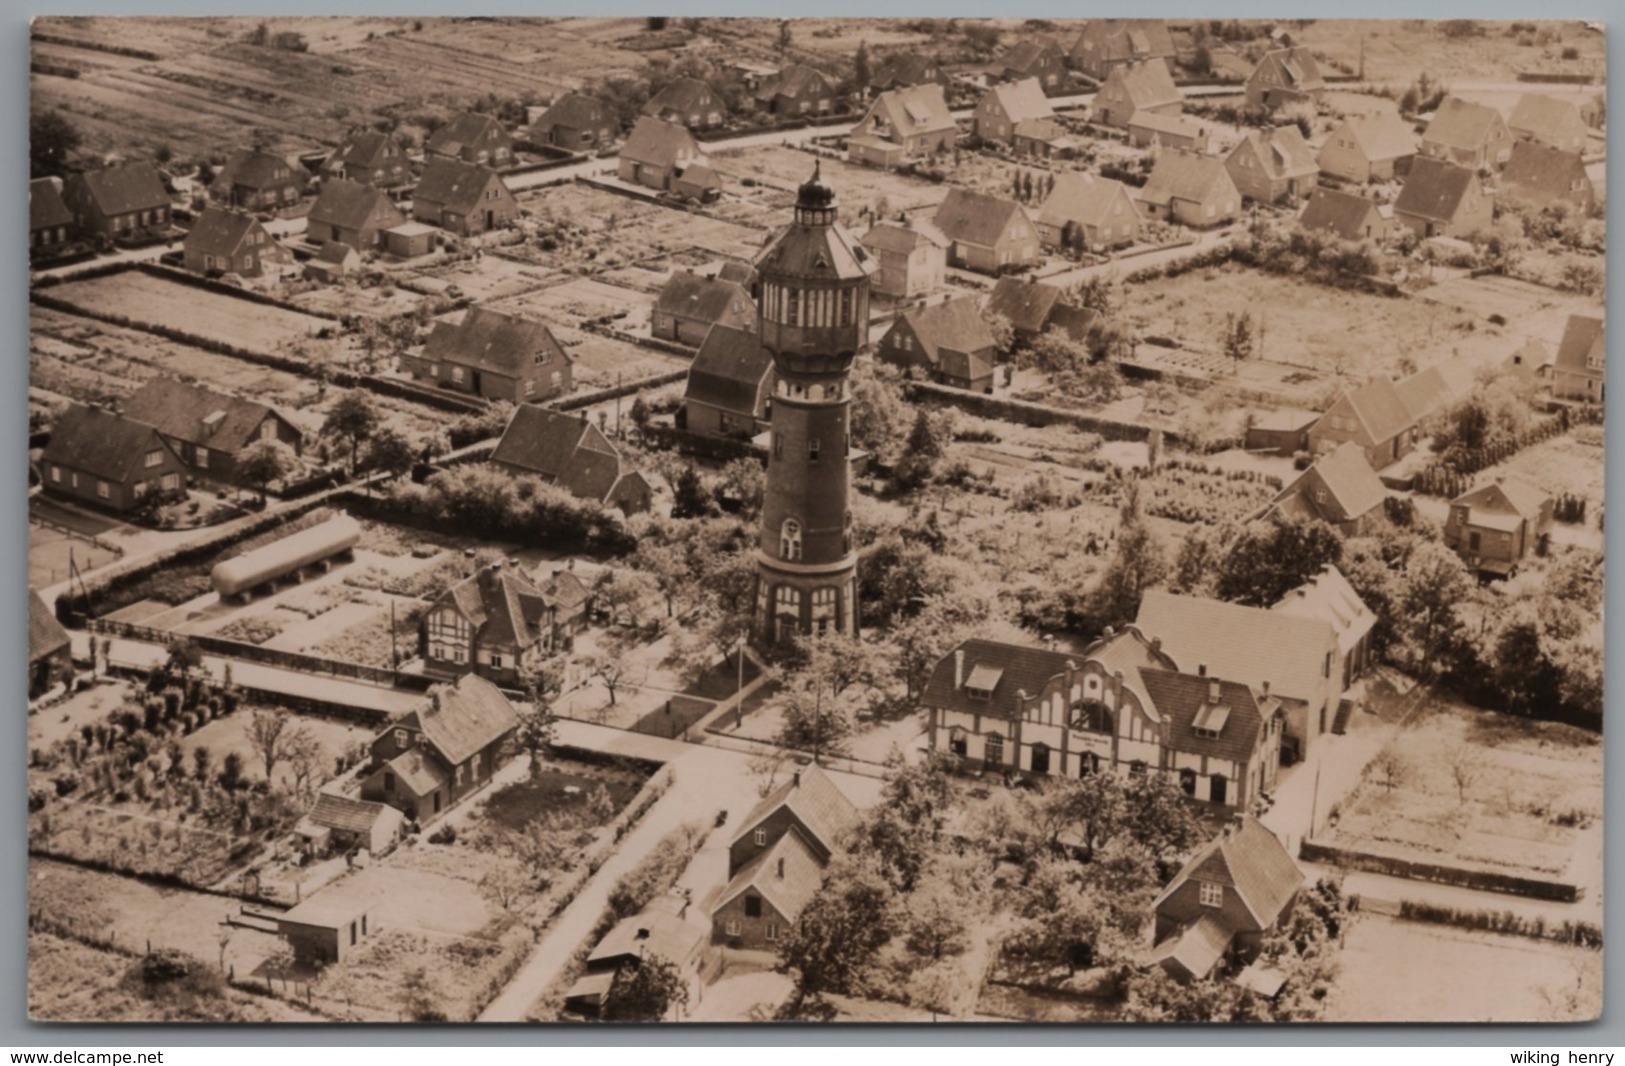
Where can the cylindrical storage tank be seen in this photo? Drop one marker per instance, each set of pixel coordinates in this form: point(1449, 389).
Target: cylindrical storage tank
point(288, 555)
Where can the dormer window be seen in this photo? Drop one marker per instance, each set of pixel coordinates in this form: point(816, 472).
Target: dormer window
point(983, 679)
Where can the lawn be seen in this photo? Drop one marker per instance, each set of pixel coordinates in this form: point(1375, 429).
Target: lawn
point(158, 301)
point(518, 805)
point(1560, 465)
point(1527, 792)
point(1395, 51)
point(50, 551)
point(1457, 975)
point(369, 642)
point(231, 734)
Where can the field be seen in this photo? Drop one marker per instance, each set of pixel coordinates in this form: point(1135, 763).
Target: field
point(1397, 50)
point(1530, 311)
point(1458, 975)
point(1560, 465)
point(145, 298)
point(1483, 789)
point(856, 186)
point(616, 229)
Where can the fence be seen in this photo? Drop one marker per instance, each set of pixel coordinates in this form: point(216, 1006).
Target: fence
point(1451, 478)
point(587, 399)
point(1030, 414)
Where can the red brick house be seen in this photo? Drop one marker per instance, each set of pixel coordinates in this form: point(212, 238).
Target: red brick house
point(256, 181)
point(904, 70)
point(1366, 148)
point(567, 450)
point(118, 201)
point(1540, 175)
point(1374, 416)
point(1106, 44)
point(690, 304)
point(1579, 367)
point(50, 223)
point(1441, 199)
point(1088, 211)
point(1004, 107)
point(1136, 87)
point(428, 760)
point(108, 460)
point(1346, 216)
point(1235, 889)
point(476, 139)
point(949, 342)
point(730, 386)
point(1549, 120)
point(465, 198)
point(1042, 61)
point(50, 650)
point(578, 122)
point(777, 858)
point(1496, 526)
point(209, 430)
point(1474, 136)
point(688, 102)
point(986, 233)
point(1273, 165)
point(656, 152)
point(231, 242)
point(369, 158)
point(497, 356)
point(1285, 76)
point(796, 90)
point(499, 623)
point(348, 212)
point(1190, 189)
point(1340, 489)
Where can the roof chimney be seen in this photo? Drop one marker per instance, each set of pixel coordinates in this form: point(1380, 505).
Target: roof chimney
point(1265, 686)
point(1201, 669)
point(434, 701)
point(1107, 632)
point(1156, 645)
point(959, 668)
point(781, 867)
point(796, 778)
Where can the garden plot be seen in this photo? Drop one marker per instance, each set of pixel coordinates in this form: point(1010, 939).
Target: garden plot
point(1395, 51)
point(375, 301)
point(230, 734)
point(1530, 311)
point(489, 279)
point(1562, 465)
point(52, 554)
point(143, 297)
point(578, 301)
point(855, 186)
point(615, 230)
point(1480, 789)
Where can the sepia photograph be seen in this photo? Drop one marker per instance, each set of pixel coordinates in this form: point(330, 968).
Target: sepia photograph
point(844, 520)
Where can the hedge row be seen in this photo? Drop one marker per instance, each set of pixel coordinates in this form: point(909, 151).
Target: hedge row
point(1484, 880)
point(1580, 934)
point(97, 46)
point(1030, 414)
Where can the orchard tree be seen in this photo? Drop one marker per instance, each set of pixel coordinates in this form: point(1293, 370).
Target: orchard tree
point(276, 737)
point(389, 451)
point(1140, 562)
point(265, 461)
point(1434, 582)
point(537, 727)
point(353, 418)
point(840, 932)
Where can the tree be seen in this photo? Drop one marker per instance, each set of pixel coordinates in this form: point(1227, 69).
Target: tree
point(266, 461)
point(389, 451)
point(1268, 559)
point(52, 140)
point(1238, 336)
point(785, 38)
point(841, 929)
point(1465, 767)
point(275, 736)
point(1003, 332)
point(354, 418)
point(183, 655)
point(646, 991)
point(1435, 581)
point(927, 444)
point(537, 727)
point(1391, 766)
point(505, 886)
point(862, 74)
point(743, 480)
point(879, 413)
point(815, 720)
point(1139, 562)
point(690, 498)
point(608, 668)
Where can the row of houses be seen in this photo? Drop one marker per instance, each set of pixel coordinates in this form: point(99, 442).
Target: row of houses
point(117, 203)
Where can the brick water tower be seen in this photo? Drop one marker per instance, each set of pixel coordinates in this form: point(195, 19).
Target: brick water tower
point(813, 317)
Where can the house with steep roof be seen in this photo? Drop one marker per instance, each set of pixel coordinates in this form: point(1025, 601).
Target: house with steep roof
point(1435, 388)
point(730, 385)
point(1105, 44)
point(1285, 76)
point(1220, 740)
point(351, 213)
point(912, 258)
point(656, 152)
point(1274, 654)
point(903, 124)
point(207, 429)
point(464, 198)
point(1041, 61)
point(117, 201)
point(762, 902)
point(664, 929)
point(796, 90)
point(688, 102)
point(568, 451)
point(690, 304)
point(1135, 87)
point(1088, 211)
point(333, 262)
point(1339, 488)
point(1581, 361)
point(1192, 190)
point(1531, 363)
point(1033, 307)
point(338, 824)
point(472, 138)
point(50, 649)
point(1374, 147)
point(256, 181)
point(431, 758)
point(231, 242)
point(1273, 165)
point(1441, 199)
point(1375, 417)
point(1469, 135)
point(949, 342)
point(1552, 121)
point(1223, 901)
point(1346, 216)
point(577, 121)
point(500, 623)
point(1005, 105)
point(369, 158)
point(1496, 526)
point(497, 356)
point(1330, 598)
point(904, 70)
point(986, 233)
point(108, 460)
point(50, 223)
point(809, 805)
point(1151, 129)
point(1540, 176)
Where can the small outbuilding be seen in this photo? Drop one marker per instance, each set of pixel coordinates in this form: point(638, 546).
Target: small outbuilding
point(409, 240)
point(325, 928)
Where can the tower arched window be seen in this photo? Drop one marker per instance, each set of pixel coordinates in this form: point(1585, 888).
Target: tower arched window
point(792, 306)
point(823, 609)
point(846, 533)
point(790, 540)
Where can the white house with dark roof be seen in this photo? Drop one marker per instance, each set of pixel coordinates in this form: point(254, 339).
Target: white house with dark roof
point(117, 201)
point(1362, 148)
point(1089, 211)
point(494, 355)
point(351, 213)
point(1549, 120)
point(912, 258)
point(465, 198)
point(986, 233)
point(1443, 199)
point(1469, 135)
point(948, 341)
point(208, 429)
point(690, 304)
point(1006, 105)
point(1346, 216)
point(499, 623)
point(688, 102)
point(108, 460)
point(1193, 190)
point(903, 124)
point(369, 158)
point(1578, 369)
point(1272, 165)
point(1329, 597)
point(1133, 88)
point(567, 450)
point(729, 392)
point(472, 138)
point(656, 152)
point(231, 242)
point(1285, 76)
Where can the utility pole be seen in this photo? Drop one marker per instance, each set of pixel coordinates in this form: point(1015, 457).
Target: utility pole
point(739, 698)
point(1314, 802)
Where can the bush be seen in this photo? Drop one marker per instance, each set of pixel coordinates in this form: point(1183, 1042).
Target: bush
point(657, 872)
point(446, 834)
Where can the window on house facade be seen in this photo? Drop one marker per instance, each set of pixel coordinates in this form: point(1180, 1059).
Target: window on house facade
point(958, 741)
point(761, 838)
point(753, 906)
point(823, 609)
point(772, 931)
point(56, 473)
point(103, 489)
point(474, 765)
point(153, 458)
point(812, 450)
point(993, 749)
point(1211, 895)
point(733, 927)
point(457, 374)
point(401, 738)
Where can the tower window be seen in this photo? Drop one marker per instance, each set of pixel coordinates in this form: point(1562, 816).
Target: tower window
point(812, 450)
point(793, 306)
point(846, 307)
point(790, 540)
point(823, 609)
